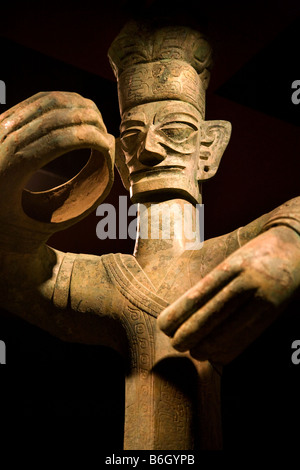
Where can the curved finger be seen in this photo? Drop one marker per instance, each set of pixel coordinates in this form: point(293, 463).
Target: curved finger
point(232, 337)
point(184, 307)
point(212, 314)
point(37, 106)
point(48, 122)
point(47, 148)
point(65, 139)
point(19, 106)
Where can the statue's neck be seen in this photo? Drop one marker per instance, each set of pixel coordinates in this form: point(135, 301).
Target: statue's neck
point(165, 230)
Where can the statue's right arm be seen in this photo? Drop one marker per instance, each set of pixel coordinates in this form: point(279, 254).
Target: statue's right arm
point(36, 279)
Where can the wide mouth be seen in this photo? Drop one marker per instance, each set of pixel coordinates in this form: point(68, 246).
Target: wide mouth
point(136, 175)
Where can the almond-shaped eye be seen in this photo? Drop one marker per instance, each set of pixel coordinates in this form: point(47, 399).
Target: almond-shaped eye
point(178, 132)
point(129, 138)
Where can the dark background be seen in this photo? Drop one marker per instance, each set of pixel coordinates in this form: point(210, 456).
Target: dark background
point(63, 46)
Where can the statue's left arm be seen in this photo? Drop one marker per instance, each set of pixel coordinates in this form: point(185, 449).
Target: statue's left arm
point(232, 305)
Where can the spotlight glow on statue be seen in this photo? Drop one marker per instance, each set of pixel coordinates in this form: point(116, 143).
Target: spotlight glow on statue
point(175, 315)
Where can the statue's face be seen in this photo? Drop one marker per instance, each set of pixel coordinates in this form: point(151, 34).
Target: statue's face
point(161, 142)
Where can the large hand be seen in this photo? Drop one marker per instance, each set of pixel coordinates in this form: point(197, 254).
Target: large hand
point(32, 134)
point(223, 313)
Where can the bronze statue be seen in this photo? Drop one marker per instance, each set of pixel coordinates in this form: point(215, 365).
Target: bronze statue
point(213, 300)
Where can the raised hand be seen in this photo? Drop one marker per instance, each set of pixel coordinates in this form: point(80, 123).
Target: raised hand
point(223, 313)
point(33, 133)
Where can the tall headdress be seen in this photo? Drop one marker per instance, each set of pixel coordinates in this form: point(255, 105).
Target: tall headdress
point(160, 63)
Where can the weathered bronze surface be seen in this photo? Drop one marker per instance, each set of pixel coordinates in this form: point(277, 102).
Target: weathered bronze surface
point(212, 300)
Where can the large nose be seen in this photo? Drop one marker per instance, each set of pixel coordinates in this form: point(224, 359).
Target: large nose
point(151, 152)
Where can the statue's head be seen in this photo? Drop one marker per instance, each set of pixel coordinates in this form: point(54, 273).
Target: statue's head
point(166, 148)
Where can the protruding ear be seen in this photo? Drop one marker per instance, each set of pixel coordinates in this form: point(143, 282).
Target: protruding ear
point(121, 165)
point(213, 145)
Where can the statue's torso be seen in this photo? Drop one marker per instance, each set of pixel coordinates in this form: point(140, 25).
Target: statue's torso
point(172, 400)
